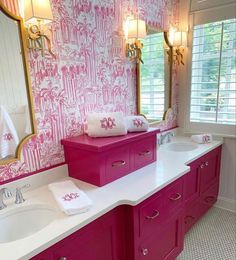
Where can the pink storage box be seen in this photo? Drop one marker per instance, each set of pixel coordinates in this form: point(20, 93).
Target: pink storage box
point(102, 160)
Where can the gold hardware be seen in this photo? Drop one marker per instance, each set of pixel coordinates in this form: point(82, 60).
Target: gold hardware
point(178, 196)
point(118, 163)
point(156, 214)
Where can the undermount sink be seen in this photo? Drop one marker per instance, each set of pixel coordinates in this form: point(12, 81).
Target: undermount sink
point(181, 147)
point(24, 221)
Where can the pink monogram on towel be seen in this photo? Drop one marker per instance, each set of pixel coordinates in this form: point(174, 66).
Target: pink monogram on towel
point(206, 138)
point(107, 123)
point(138, 122)
point(70, 196)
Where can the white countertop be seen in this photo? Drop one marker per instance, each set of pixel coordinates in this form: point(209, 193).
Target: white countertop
point(131, 190)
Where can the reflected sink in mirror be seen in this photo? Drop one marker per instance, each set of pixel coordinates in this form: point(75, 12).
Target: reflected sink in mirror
point(24, 221)
point(181, 147)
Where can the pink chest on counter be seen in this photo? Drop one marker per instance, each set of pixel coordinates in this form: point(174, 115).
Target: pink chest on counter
point(103, 160)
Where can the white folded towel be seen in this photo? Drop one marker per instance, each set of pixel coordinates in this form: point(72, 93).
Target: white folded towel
point(202, 138)
point(106, 124)
point(70, 198)
point(8, 136)
point(136, 123)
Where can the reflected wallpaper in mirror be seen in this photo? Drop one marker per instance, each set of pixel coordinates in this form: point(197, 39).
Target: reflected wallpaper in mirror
point(15, 123)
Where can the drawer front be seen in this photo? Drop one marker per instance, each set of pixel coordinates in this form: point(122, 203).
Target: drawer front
point(191, 216)
point(144, 152)
point(150, 215)
point(208, 198)
point(174, 196)
point(117, 163)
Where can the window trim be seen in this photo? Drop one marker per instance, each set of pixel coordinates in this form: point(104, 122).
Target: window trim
point(199, 127)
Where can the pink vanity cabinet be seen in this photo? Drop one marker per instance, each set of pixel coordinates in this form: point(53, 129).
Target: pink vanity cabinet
point(103, 239)
point(152, 230)
point(155, 226)
point(103, 160)
point(201, 186)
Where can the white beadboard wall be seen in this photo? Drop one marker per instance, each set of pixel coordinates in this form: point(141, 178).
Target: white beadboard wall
point(227, 193)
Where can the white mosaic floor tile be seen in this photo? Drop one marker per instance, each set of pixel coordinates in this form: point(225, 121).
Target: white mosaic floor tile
point(212, 238)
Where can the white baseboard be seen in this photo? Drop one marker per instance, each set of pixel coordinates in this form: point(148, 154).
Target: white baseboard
point(226, 204)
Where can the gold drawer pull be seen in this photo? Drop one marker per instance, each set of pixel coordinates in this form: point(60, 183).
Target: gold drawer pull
point(177, 197)
point(145, 153)
point(156, 214)
point(118, 163)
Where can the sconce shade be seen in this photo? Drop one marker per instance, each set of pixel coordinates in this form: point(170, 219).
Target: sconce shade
point(180, 39)
point(136, 29)
point(37, 10)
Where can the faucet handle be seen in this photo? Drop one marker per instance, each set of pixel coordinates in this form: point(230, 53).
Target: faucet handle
point(170, 134)
point(19, 197)
point(7, 193)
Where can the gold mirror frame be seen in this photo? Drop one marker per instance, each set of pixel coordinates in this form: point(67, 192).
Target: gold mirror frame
point(170, 64)
point(22, 38)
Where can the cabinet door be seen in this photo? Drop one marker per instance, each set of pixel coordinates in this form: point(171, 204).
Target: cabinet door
point(166, 244)
point(209, 169)
point(192, 183)
point(101, 240)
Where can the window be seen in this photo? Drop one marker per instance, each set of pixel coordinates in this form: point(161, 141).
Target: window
point(213, 79)
point(152, 77)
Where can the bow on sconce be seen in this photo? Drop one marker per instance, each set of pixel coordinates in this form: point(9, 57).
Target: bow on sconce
point(37, 14)
point(176, 42)
point(136, 30)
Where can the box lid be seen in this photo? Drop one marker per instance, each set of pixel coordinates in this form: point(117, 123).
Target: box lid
point(100, 144)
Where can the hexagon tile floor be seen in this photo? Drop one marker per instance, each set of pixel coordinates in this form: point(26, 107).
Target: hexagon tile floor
point(212, 238)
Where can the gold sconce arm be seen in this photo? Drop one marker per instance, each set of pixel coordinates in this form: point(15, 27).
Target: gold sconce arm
point(37, 14)
point(133, 51)
point(38, 40)
point(175, 50)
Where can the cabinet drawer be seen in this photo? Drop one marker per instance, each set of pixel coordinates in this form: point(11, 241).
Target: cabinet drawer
point(143, 152)
point(208, 198)
point(117, 163)
point(150, 215)
point(174, 196)
point(191, 216)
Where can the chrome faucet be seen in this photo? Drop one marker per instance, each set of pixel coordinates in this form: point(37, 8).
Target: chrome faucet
point(167, 135)
point(19, 197)
point(4, 192)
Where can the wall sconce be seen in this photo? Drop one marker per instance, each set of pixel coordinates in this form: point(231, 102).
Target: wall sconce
point(37, 14)
point(136, 30)
point(176, 42)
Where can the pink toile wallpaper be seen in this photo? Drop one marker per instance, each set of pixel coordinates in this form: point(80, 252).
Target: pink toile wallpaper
point(90, 73)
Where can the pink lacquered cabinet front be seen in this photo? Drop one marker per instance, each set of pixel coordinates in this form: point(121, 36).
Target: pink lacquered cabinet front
point(201, 186)
point(103, 239)
point(152, 230)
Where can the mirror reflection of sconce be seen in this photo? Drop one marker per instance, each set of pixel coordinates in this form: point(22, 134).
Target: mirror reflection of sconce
point(37, 15)
point(176, 42)
point(136, 30)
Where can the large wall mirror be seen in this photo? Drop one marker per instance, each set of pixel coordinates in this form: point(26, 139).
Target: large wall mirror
point(154, 77)
point(16, 117)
